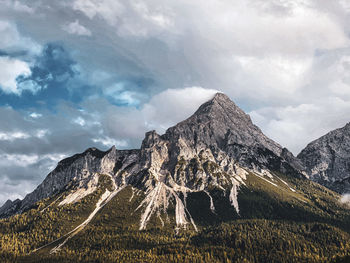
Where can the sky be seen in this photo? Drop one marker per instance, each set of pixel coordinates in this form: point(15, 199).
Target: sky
point(76, 74)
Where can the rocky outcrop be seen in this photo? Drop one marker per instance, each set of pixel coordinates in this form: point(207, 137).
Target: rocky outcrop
point(327, 159)
point(10, 207)
point(221, 125)
point(74, 171)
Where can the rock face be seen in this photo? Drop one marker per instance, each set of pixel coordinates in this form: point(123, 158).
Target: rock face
point(222, 125)
point(10, 207)
point(75, 170)
point(327, 159)
point(213, 149)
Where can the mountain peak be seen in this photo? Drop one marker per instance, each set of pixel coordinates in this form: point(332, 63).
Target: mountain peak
point(219, 96)
point(327, 159)
point(220, 123)
point(221, 107)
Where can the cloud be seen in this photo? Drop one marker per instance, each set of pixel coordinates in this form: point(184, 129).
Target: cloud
point(162, 111)
point(35, 115)
point(53, 65)
point(296, 126)
point(15, 59)
point(13, 136)
point(107, 141)
point(130, 18)
point(258, 52)
point(11, 69)
point(320, 105)
point(284, 62)
point(174, 105)
point(20, 174)
point(107, 9)
point(10, 189)
point(75, 28)
point(13, 42)
point(17, 6)
point(52, 70)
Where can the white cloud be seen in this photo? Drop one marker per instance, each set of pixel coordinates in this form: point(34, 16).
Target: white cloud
point(35, 115)
point(15, 135)
point(12, 40)
point(107, 141)
point(296, 126)
point(22, 173)
point(174, 105)
point(12, 191)
point(75, 28)
point(10, 70)
point(275, 76)
point(136, 18)
point(120, 95)
point(41, 133)
point(17, 6)
point(162, 111)
point(80, 121)
point(25, 160)
point(252, 50)
point(10, 136)
point(107, 9)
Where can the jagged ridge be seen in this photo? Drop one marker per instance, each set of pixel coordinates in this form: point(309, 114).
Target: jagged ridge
point(213, 149)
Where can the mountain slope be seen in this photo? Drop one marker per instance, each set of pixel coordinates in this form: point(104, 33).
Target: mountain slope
point(308, 225)
point(211, 171)
point(328, 159)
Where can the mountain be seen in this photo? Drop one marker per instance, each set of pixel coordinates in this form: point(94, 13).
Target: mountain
point(327, 159)
point(219, 135)
point(213, 188)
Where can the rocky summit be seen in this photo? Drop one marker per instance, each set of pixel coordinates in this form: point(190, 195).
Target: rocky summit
point(327, 159)
point(213, 181)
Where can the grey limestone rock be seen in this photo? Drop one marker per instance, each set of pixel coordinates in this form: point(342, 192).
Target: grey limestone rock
point(327, 159)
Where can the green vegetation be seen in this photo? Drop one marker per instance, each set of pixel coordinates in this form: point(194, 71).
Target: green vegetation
point(275, 224)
